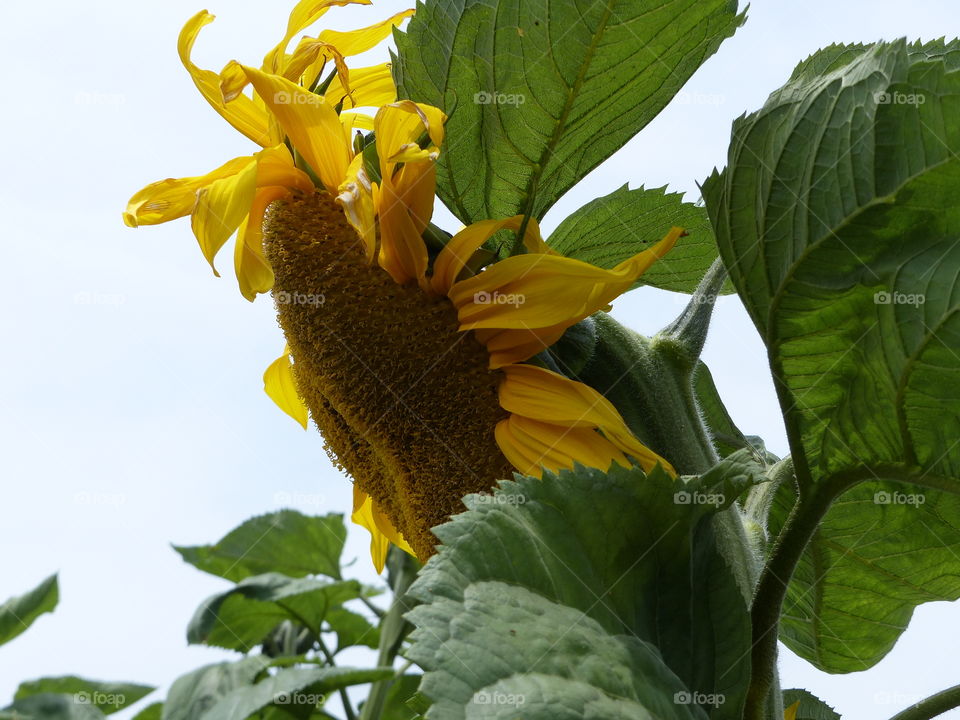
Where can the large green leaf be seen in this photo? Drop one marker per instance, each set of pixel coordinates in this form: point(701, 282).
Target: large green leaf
point(295, 690)
point(530, 596)
point(193, 694)
point(108, 697)
point(838, 218)
point(18, 613)
point(882, 549)
point(51, 706)
point(241, 617)
point(287, 542)
point(541, 92)
point(615, 227)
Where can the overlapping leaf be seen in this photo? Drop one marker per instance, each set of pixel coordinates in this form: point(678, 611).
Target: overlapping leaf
point(838, 218)
point(540, 93)
point(531, 596)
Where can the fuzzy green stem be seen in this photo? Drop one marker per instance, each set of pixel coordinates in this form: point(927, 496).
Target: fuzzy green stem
point(392, 630)
point(932, 706)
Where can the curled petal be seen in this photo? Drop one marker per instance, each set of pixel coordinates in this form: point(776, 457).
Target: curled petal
point(538, 394)
point(382, 533)
point(279, 384)
point(242, 112)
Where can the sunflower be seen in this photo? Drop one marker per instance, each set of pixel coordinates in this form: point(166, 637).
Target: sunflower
point(415, 365)
point(416, 360)
point(233, 198)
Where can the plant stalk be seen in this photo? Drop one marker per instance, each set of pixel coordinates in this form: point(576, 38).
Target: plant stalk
point(932, 706)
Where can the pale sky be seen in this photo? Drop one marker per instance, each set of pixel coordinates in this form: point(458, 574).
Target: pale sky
point(132, 415)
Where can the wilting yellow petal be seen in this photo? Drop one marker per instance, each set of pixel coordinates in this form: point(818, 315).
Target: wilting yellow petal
point(399, 126)
point(308, 60)
point(254, 273)
point(275, 167)
point(507, 347)
point(303, 15)
point(553, 290)
point(221, 207)
point(174, 198)
point(358, 41)
point(543, 395)
point(242, 113)
point(458, 251)
point(403, 253)
point(310, 122)
point(416, 185)
point(382, 532)
point(353, 120)
point(368, 87)
point(357, 198)
point(531, 445)
point(279, 384)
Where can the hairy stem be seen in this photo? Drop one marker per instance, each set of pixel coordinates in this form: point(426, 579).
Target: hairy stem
point(932, 706)
point(796, 534)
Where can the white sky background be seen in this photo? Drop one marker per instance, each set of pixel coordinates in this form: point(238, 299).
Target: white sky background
point(131, 413)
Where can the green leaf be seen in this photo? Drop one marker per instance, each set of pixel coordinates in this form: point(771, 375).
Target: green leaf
point(240, 618)
point(295, 690)
point(402, 692)
point(834, 203)
point(540, 93)
point(107, 696)
point(193, 694)
point(615, 227)
point(51, 706)
point(18, 613)
point(838, 218)
point(352, 629)
point(151, 712)
point(287, 542)
point(882, 549)
point(727, 438)
point(811, 707)
point(531, 596)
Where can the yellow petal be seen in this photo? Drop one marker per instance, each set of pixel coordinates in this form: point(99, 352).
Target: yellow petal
point(458, 251)
point(551, 290)
point(221, 207)
point(507, 347)
point(304, 14)
point(382, 532)
point(531, 445)
point(173, 198)
point(357, 198)
point(358, 41)
point(790, 713)
point(399, 126)
point(308, 60)
point(254, 273)
point(279, 384)
point(242, 112)
point(403, 253)
point(310, 122)
point(416, 185)
point(353, 120)
point(367, 87)
point(543, 395)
